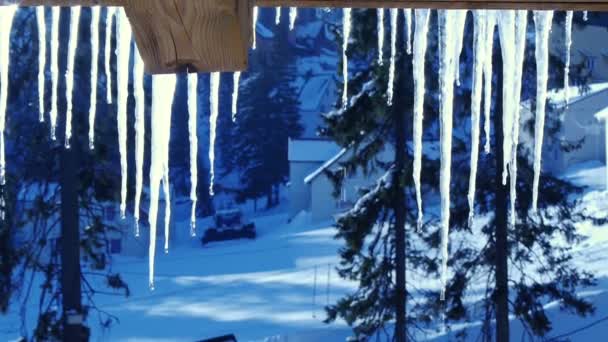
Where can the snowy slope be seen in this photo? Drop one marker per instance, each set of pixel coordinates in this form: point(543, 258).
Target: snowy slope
point(265, 290)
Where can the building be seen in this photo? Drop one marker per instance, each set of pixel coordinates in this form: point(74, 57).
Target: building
point(579, 126)
point(311, 189)
point(305, 156)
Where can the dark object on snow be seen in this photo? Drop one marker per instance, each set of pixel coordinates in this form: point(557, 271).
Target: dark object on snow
point(225, 338)
point(229, 226)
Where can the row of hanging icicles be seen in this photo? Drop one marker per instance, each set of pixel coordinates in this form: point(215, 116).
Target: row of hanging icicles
point(511, 25)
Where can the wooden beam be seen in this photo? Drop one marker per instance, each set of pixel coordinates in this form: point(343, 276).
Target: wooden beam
point(576, 5)
point(202, 36)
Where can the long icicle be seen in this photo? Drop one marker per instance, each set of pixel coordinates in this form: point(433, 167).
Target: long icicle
point(55, 12)
point(192, 133)
point(293, 15)
point(542, 21)
point(163, 89)
point(420, 46)
point(568, 29)
point(447, 21)
point(7, 13)
point(140, 131)
point(214, 109)
point(95, 15)
point(123, 51)
point(381, 35)
point(254, 26)
point(110, 12)
point(408, 29)
point(460, 25)
point(346, 27)
point(521, 26)
point(391, 69)
point(41, 59)
point(487, 74)
point(506, 30)
point(165, 179)
point(277, 18)
point(69, 78)
point(236, 77)
point(479, 55)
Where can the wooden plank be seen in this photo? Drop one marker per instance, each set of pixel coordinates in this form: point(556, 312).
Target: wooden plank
point(176, 36)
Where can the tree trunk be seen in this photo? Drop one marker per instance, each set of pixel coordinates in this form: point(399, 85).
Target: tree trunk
point(399, 194)
point(501, 202)
point(73, 329)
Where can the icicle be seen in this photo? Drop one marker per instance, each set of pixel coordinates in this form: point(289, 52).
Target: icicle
point(255, 25)
point(41, 59)
point(346, 27)
point(277, 19)
point(381, 33)
point(391, 68)
point(568, 30)
point(487, 74)
point(408, 27)
point(110, 12)
point(54, 67)
point(123, 51)
point(542, 20)
point(214, 104)
point(163, 90)
point(7, 13)
point(521, 26)
point(479, 55)
point(448, 55)
point(420, 46)
point(235, 94)
point(293, 15)
point(506, 30)
point(192, 132)
point(461, 19)
point(167, 195)
point(140, 131)
point(585, 15)
point(95, 14)
point(69, 78)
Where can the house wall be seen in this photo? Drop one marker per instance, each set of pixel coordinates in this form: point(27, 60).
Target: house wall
point(324, 206)
point(299, 192)
point(580, 122)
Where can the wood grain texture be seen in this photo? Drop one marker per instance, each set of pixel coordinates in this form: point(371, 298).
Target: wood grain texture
point(176, 35)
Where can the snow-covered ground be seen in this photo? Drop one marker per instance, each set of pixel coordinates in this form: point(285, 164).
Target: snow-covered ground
point(274, 288)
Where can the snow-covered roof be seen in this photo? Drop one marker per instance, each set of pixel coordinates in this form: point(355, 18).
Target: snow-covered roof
point(558, 96)
point(602, 114)
point(325, 166)
point(311, 150)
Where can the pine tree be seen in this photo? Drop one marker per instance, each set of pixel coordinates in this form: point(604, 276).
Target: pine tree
point(532, 254)
point(376, 231)
point(31, 197)
point(257, 146)
point(368, 254)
